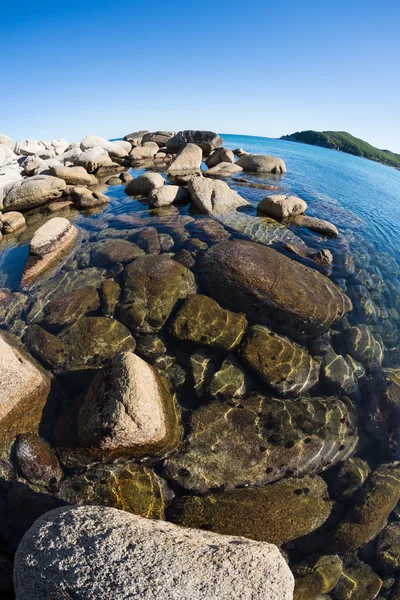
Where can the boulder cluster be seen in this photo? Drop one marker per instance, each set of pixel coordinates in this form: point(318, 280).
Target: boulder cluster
point(196, 399)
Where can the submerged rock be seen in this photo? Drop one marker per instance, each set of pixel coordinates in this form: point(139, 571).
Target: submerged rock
point(131, 557)
point(314, 224)
point(109, 297)
point(207, 140)
point(277, 513)
point(286, 367)
point(209, 230)
point(259, 229)
point(337, 373)
point(350, 478)
point(203, 368)
point(230, 381)
point(129, 410)
point(388, 548)
point(382, 417)
point(36, 460)
point(363, 346)
point(279, 205)
point(261, 440)
point(258, 163)
point(68, 307)
point(108, 253)
point(214, 197)
point(152, 286)
point(272, 288)
point(45, 346)
point(202, 320)
point(316, 575)
point(148, 240)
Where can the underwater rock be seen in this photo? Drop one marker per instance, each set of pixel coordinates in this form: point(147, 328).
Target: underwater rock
point(314, 224)
point(276, 513)
point(270, 287)
point(209, 230)
point(350, 478)
point(130, 487)
point(363, 346)
point(12, 310)
point(109, 297)
point(382, 415)
point(261, 440)
point(203, 321)
point(230, 381)
point(214, 197)
point(147, 240)
point(203, 368)
point(68, 307)
point(206, 140)
point(316, 575)
point(258, 163)
point(279, 205)
point(107, 253)
point(358, 581)
point(152, 285)
point(286, 367)
point(36, 460)
point(369, 514)
point(129, 410)
point(388, 548)
point(85, 198)
point(45, 346)
point(337, 373)
point(150, 347)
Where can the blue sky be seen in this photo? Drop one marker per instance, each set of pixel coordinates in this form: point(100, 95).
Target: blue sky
point(260, 67)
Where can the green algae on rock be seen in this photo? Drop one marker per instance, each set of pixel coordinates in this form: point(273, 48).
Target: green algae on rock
point(109, 297)
point(337, 373)
point(130, 487)
point(358, 581)
point(388, 548)
point(261, 440)
point(350, 478)
point(151, 288)
point(369, 514)
point(36, 460)
point(46, 347)
point(271, 288)
point(203, 365)
point(364, 347)
point(68, 307)
point(277, 513)
point(230, 381)
point(202, 320)
point(107, 253)
point(286, 367)
point(316, 575)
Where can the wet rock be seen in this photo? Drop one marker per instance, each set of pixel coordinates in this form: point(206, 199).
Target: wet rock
point(258, 163)
point(358, 582)
point(150, 347)
point(388, 548)
point(369, 514)
point(206, 140)
point(337, 373)
point(93, 159)
point(93, 340)
point(270, 287)
point(55, 207)
point(166, 195)
point(350, 478)
point(73, 175)
point(314, 224)
point(84, 198)
point(203, 321)
point(316, 575)
point(203, 368)
point(130, 487)
point(362, 301)
point(279, 205)
point(230, 381)
point(277, 513)
point(12, 221)
point(36, 460)
point(382, 418)
point(215, 197)
point(185, 258)
point(363, 346)
point(12, 308)
point(148, 240)
point(129, 410)
point(286, 367)
point(323, 257)
point(223, 169)
point(209, 230)
point(109, 297)
point(46, 347)
point(108, 253)
point(32, 192)
point(261, 440)
point(115, 543)
point(144, 184)
point(67, 308)
point(188, 159)
point(151, 288)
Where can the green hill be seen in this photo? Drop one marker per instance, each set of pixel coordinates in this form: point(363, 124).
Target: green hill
point(340, 140)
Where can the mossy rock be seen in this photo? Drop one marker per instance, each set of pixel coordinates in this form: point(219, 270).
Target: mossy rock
point(45, 346)
point(364, 347)
point(286, 367)
point(358, 582)
point(230, 381)
point(109, 297)
point(66, 308)
point(388, 548)
point(316, 575)
point(204, 365)
point(203, 321)
point(107, 253)
point(350, 478)
point(277, 513)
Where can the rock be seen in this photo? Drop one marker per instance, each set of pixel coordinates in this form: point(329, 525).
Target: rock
point(135, 137)
point(6, 576)
point(146, 152)
point(203, 321)
point(91, 160)
point(12, 308)
point(46, 347)
point(282, 206)
point(129, 487)
point(70, 155)
point(31, 163)
point(7, 141)
point(36, 460)
point(109, 297)
point(98, 553)
point(358, 582)
point(239, 152)
point(287, 368)
point(363, 346)
point(152, 286)
point(12, 221)
point(50, 235)
point(270, 287)
point(323, 257)
point(147, 240)
point(161, 138)
point(314, 224)
point(24, 392)
point(107, 253)
point(167, 194)
point(85, 198)
point(95, 141)
point(277, 513)
point(223, 169)
point(66, 308)
point(93, 340)
point(231, 381)
point(206, 140)
point(74, 175)
point(214, 196)
point(258, 163)
point(369, 514)
point(209, 230)
point(316, 575)
point(7, 156)
point(144, 184)
point(29, 147)
point(221, 155)
point(203, 368)
point(261, 440)
point(388, 548)
point(129, 410)
point(188, 159)
point(32, 192)
point(382, 414)
point(337, 374)
point(350, 478)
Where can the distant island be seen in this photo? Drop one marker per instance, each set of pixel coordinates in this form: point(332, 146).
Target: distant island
point(345, 142)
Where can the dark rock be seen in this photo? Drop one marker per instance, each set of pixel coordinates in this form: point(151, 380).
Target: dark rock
point(388, 548)
point(110, 252)
point(230, 381)
point(382, 417)
point(150, 347)
point(6, 576)
point(358, 581)
point(337, 373)
point(36, 460)
point(363, 346)
point(209, 230)
point(207, 140)
point(68, 307)
point(350, 478)
point(45, 346)
point(203, 368)
point(148, 240)
point(109, 297)
point(316, 575)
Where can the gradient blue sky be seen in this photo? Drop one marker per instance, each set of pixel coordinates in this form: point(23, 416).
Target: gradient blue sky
point(260, 67)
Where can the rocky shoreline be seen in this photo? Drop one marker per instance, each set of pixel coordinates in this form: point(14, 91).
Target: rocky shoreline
point(194, 401)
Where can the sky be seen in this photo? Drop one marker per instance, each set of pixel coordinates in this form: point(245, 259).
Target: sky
point(259, 68)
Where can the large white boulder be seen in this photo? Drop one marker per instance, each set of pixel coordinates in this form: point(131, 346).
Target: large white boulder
point(99, 553)
point(93, 159)
point(7, 141)
point(49, 236)
point(32, 192)
point(214, 197)
point(93, 141)
point(188, 159)
point(7, 156)
point(280, 205)
point(144, 184)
